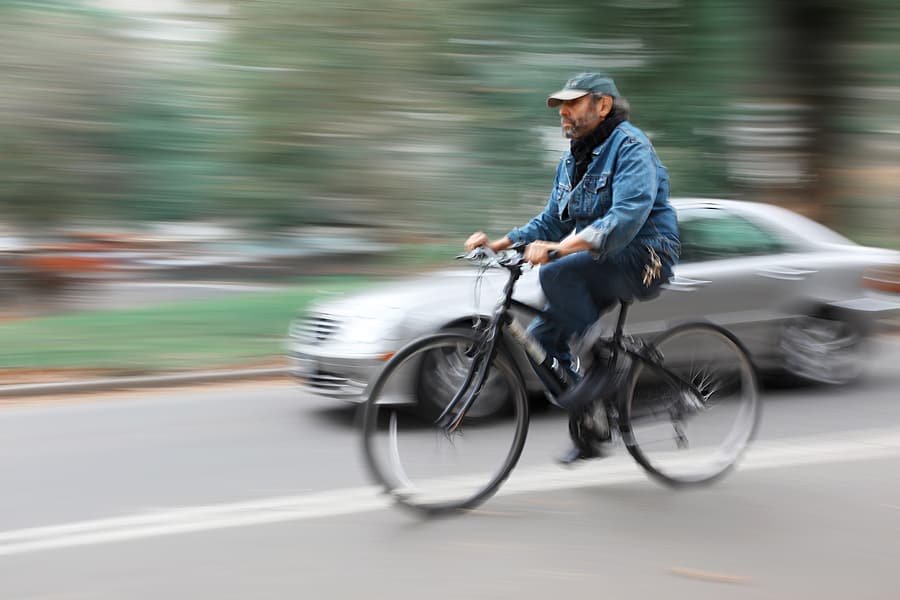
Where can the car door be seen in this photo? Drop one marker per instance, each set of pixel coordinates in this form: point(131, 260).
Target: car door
point(732, 271)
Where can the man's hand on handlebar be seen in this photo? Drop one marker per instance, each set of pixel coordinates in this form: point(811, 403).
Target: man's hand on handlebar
point(541, 252)
point(538, 253)
point(476, 239)
point(481, 239)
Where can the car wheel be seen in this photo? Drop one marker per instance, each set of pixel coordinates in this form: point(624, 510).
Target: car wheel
point(823, 349)
point(442, 372)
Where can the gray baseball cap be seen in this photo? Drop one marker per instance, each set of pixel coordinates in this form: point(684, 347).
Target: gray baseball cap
point(581, 85)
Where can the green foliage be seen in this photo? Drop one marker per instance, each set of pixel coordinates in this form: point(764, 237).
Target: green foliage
point(398, 113)
point(185, 335)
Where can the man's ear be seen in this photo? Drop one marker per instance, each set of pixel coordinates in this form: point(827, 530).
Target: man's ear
point(604, 106)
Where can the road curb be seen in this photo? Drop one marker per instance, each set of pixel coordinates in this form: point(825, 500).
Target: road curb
point(148, 381)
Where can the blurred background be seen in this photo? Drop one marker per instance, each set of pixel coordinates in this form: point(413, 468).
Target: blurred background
point(297, 147)
point(179, 179)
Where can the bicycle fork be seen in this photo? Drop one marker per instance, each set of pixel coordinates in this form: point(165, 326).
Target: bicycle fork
point(483, 354)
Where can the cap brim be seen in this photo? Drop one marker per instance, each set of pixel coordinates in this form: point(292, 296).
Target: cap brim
point(562, 95)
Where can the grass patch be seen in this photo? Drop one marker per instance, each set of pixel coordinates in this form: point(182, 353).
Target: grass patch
point(238, 329)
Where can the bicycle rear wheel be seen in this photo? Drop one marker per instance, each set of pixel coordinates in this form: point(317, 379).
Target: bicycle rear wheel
point(690, 413)
point(423, 465)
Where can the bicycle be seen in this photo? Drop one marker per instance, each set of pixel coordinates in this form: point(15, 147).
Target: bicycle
point(686, 405)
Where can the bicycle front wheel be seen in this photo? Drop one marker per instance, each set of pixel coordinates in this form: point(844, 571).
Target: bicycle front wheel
point(430, 467)
point(692, 409)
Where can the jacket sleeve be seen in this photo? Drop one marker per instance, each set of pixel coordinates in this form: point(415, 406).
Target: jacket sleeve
point(634, 188)
point(547, 225)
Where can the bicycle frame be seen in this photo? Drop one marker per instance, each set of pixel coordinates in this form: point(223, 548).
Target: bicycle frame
point(502, 322)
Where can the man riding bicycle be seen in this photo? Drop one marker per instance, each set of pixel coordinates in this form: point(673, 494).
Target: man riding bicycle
point(612, 191)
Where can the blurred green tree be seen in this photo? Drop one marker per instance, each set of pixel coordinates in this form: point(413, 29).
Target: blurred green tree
point(59, 85)
point(410, 113)
point(429, 118)
point(96, 121)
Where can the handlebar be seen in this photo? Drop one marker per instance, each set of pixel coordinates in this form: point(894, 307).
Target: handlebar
point(514, 256)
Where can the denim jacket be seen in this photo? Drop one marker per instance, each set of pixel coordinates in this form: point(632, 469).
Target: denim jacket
point(621, 203)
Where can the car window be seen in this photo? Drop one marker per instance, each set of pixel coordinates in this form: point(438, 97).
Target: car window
point(712, 233)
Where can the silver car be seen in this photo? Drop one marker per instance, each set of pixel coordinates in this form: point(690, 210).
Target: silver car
point(801, 297)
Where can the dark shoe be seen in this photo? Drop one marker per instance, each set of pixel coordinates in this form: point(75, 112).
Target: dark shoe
point(576, 453)
point(590, 434)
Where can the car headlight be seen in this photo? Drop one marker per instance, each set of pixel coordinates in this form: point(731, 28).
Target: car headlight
point(371, 329)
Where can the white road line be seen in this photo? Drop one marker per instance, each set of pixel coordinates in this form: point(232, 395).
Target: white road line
point(850, 446)
point(191, 519)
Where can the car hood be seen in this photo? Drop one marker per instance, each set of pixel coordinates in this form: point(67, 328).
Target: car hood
point(456, 287)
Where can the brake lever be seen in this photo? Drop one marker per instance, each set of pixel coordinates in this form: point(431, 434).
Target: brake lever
point(477, 254)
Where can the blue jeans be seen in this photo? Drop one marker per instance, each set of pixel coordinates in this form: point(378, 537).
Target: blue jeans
point(579, 289)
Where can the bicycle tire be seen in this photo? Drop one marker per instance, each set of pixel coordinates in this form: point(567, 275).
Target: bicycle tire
point(448, 483)
point(695, 452)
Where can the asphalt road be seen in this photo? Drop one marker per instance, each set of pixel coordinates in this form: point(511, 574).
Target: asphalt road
point(256, 491)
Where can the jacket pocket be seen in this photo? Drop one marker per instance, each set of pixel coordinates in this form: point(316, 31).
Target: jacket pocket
point(596, 196)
